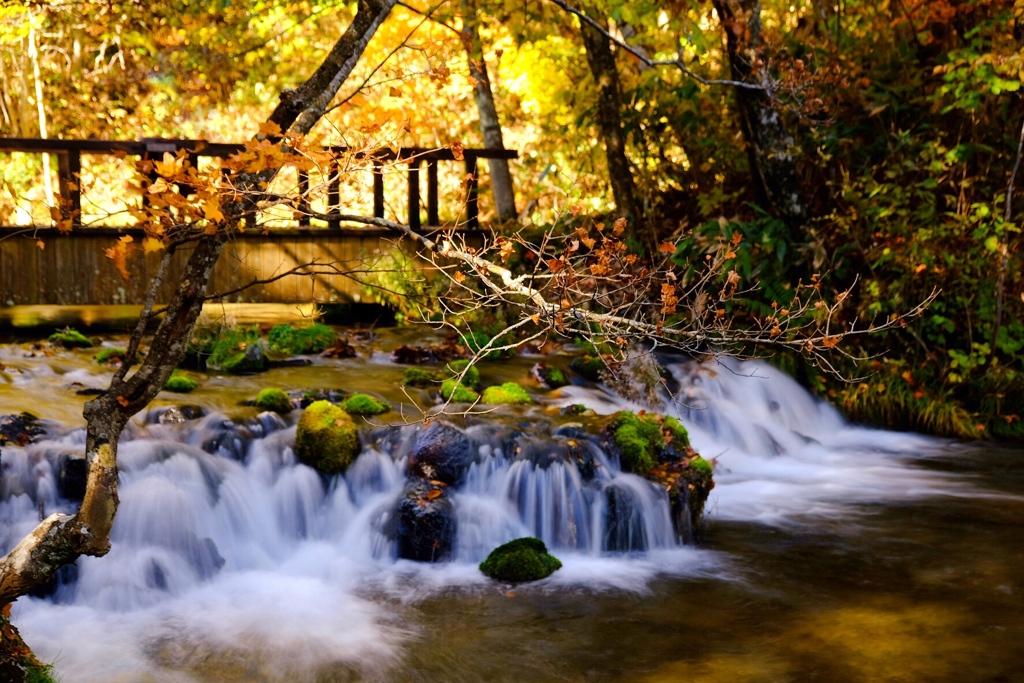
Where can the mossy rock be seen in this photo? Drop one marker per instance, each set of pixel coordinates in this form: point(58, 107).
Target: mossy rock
point(248, 362)
point(457, 393)
point(640, 440)
point(180, 384)
point(302, 340)
point(508, 393)
point(273, 399)
point(588, 367)
point(471, 379)
point(110, 355)
point(524, 559)
point(476, 341)
point(326, 438)
point(418, 377)
point(70, 338)
point(364, 404)
point(549, 377)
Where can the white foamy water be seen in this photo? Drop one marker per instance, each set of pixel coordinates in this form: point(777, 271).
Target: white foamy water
point(238, 551)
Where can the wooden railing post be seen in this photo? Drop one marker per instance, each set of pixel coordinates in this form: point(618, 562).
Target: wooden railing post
point(378, 187)
point(69, 180)
point(472, 186)
point(433, 218)
point(333, 193)
point(414, 192)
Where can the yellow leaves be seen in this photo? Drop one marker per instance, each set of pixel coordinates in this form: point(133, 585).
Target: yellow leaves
point(619, 226)
point(669, 300)
point(506, 250)
point(41, 244)
point(170, 166)
point(159, 186)
point(119, 255)
point(151, 245)
point(269, 129)
point(211, 209)
point(457, 150)
point(459, 276)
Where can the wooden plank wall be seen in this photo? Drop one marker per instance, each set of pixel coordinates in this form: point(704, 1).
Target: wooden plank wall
point(71, 270)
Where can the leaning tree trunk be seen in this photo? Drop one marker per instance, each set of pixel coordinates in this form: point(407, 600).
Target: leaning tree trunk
point(60, 539)
point(490, 127)
point(609, 122)
point(769, 147)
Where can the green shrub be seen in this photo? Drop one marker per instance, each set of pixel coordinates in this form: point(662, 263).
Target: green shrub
point(508, 393)
point(326, 438)
point(303, 340)
point(364, 404)
point(70, 338)
point(273, 399)
point(524, 559)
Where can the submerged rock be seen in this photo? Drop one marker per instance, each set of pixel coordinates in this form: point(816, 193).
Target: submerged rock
point(425, 522)
point(549, 377)
point(20, 429)
point(524, 559)
point(326, 438)
point(441, 452)
point(275, 400)
point(72, 474)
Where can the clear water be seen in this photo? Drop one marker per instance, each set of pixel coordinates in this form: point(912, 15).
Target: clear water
point(831, 552)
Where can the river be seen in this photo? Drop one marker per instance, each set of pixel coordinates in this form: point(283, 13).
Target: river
point(830, 552)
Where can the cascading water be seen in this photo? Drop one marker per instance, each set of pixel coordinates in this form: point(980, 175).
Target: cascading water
point(223, 541)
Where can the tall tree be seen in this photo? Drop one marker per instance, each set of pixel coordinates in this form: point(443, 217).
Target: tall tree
point(490, 126)
point(770, 148)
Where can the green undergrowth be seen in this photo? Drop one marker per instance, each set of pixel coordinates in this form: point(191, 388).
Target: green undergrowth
point(301, 340)
point(70, 338)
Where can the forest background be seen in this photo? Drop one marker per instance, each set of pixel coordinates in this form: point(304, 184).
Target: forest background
point(874, 144)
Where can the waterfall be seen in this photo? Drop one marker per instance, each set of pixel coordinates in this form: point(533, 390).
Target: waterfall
point(224, 540)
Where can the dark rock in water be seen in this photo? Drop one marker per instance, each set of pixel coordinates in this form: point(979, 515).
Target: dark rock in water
point(73, 471)
point(441, 452)
point(624, 524)
point(87, 391)
point(20, 430)
point(233, 439)
point(412, 355)
point(249, 362)
point(524, 559)
point(175, 414)
point(588, 367)
point(425, 523)
point(307, 396)
point(289, 363)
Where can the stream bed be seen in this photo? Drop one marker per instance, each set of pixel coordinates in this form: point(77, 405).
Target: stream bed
point(830, 552)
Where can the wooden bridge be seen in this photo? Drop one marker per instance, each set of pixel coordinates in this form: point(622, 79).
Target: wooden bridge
point(39, 265)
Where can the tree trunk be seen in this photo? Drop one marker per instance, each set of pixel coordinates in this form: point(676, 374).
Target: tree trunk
point(769, 147)
point(609, 122)
point(60, 539)
point(490, 127)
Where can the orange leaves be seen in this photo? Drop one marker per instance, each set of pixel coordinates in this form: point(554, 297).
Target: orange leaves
point(669, 300)
point(459, 276)
point(457, 150)
point(269, 129)
point(211, 209)
point(667, 248)
point(119, 255)
point(831, 342)
point(433, 493)
point(122, 401)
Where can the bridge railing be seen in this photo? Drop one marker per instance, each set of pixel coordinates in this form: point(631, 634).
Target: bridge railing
point(69, 170)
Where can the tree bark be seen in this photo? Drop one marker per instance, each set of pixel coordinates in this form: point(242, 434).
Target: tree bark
point(609, 122)
point(60, 539)
point(490, 127)
point(770, 148)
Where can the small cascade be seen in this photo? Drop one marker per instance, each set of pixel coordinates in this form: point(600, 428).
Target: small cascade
point(213, 504)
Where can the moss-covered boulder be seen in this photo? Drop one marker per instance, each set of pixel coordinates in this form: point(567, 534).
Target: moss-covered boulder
point(641, 440)
point(549, 376)
point(249, 361)
point(180, 384)
point(471, 378)
point(111, 355)
point(524, 559)
point(588, 367)
point(418, 377)
point(274, 400)
point(364, 404)
point(508, 393)
point(456, 392)
point(292, 340)
point(70, 338)
point(326, 438)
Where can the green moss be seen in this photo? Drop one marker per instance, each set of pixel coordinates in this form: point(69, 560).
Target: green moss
point(291, 340)
point(702, 467)
point(450, 389)
point(680, 437)
point(508, 393)
point(364, 404)
point(417, 377)
point(588, 367)
point(109, 355)
point(180, 384)
point(70, 338)
point(225, 347)
point(524, 559)
point(273, 399)
point(639, 441)
point(475, 341)
point(38, 673)
point(472, 377)
point(326, 438)
point(555, 377)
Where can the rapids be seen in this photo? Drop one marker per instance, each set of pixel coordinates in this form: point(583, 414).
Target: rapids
point(231, 561)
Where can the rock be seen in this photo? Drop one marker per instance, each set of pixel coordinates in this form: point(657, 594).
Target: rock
point(524, 559)
point(180, 384)
point(175, 414)
point(248, 362)
point(72, 474)
point(417, 377)
point(471, 376)
point(70, 338)
point(549, 377)
point(441, 452)
point(20, 429)
point(289, 363)
point(275, 400)
point(508, 393)
point(425, 523)
point(364, 404)
point(624, 524)
point(305, 397)
point(456, 392)
point(326, 438)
